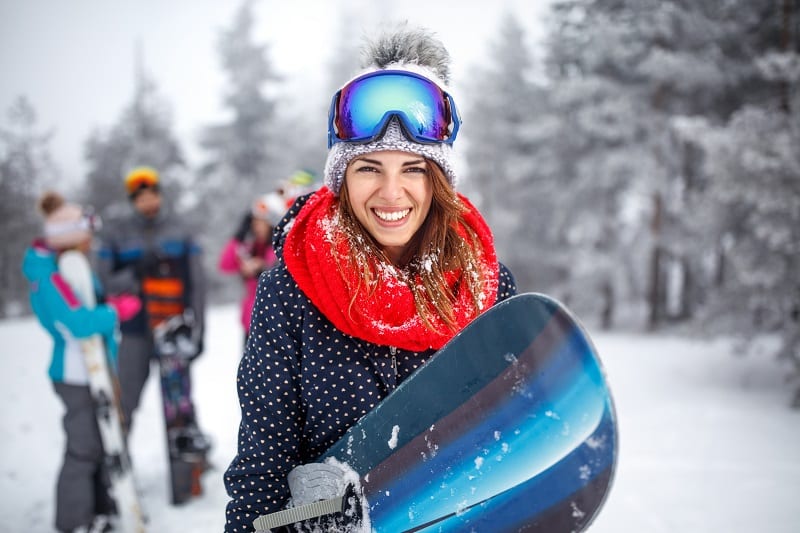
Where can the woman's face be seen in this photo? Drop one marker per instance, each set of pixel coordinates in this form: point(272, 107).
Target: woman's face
point(261, 229)
point(390, 194)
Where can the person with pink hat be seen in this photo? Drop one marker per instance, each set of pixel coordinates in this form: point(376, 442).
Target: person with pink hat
point(82, 499)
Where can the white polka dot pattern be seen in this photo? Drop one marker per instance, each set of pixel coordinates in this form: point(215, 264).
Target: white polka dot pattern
point(302, 384)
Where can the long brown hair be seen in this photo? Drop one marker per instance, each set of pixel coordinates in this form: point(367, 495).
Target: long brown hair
point(435, 249)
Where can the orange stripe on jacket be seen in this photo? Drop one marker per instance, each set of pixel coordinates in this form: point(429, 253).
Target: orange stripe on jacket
point(163, 287)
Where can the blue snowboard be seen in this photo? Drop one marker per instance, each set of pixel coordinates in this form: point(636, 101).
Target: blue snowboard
point(509, 427)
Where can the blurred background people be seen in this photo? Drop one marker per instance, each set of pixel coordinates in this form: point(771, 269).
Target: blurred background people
point(249, 251)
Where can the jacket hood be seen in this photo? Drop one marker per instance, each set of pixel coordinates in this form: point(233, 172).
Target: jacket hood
point(39, 261)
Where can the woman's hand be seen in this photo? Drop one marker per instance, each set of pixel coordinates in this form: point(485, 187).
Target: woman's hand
point(252, 267)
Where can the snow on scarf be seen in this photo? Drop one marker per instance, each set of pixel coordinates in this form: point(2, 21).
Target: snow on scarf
point(388, 315)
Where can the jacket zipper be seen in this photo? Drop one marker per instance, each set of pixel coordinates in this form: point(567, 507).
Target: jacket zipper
point(393, 351)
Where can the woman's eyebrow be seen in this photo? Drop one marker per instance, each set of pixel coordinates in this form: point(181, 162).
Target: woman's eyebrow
point(370, 161)
point(376, 162)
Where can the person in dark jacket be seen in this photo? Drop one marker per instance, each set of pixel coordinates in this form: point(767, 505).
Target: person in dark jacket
point(376, 270)
point(151, 254)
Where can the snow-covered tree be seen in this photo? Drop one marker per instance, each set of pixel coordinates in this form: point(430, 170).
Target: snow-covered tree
point(751, 165)
point(303, 118)
point(619, 71)
point(501, 108)
point(242, 148)
point(242, 151)
point(25, 167)
point(142, 135)
point(682, 127)
point(343, 60)
point(609, 140)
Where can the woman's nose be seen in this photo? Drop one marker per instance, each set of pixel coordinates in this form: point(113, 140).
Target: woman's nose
point(391, 187)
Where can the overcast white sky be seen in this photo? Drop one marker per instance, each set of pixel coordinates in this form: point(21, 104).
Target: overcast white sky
point(74, 59)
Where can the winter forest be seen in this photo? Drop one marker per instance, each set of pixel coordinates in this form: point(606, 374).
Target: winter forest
point(643, 165)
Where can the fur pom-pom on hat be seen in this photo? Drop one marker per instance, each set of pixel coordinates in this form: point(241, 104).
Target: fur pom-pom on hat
point(401, 47)
point(414, 48)
point(65, 224)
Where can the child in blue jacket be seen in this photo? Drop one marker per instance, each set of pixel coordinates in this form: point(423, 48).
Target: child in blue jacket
point(82, 499)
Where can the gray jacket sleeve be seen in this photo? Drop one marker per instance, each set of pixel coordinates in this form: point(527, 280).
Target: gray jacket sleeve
point(114, 281)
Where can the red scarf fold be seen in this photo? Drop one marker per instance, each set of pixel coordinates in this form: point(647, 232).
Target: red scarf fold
point(388, 315)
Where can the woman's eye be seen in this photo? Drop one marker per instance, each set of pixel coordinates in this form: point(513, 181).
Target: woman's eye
point(417, 170)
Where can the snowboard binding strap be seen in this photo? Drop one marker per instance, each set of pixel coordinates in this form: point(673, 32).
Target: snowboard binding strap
point(293, 515)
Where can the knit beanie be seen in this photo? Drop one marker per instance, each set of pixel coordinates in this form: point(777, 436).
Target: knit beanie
point(401, 48)
point(65, 224)
point(268, 207)
point(298, 183)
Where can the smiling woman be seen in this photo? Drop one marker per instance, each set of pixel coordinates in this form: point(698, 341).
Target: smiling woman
point(376, 271)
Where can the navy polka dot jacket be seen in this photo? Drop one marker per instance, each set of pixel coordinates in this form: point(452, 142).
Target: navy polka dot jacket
point(302, 383)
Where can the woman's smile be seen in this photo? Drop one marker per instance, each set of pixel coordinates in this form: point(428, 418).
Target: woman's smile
point(391, 216)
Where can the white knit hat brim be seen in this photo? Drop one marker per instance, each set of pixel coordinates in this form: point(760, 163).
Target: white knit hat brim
point(66, 227)
point(341, 154)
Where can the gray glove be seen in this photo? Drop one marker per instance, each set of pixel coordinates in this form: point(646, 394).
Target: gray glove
point(314, 482)
point(338, 505)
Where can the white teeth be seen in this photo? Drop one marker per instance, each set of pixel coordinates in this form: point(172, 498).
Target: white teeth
point(392, 216)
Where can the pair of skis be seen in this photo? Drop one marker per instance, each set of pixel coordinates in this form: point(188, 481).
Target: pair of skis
point(175, 341)
point(104, 388)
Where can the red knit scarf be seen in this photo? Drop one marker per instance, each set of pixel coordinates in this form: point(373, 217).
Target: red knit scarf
point(387, 316)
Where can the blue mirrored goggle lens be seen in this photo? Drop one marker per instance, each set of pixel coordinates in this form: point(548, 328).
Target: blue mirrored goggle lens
point(363, 107)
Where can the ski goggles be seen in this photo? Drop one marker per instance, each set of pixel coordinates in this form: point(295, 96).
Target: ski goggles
point(141, 178)
point(89, 221)
point(360, 111)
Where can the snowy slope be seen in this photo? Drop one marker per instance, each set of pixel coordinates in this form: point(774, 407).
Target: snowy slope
point(707, 442)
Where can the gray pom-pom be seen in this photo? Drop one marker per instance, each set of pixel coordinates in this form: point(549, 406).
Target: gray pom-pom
point(404, 44)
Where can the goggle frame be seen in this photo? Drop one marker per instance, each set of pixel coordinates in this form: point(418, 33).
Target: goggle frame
point(406, 122)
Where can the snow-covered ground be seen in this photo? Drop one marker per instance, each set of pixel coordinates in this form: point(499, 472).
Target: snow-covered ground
point(708, 443)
